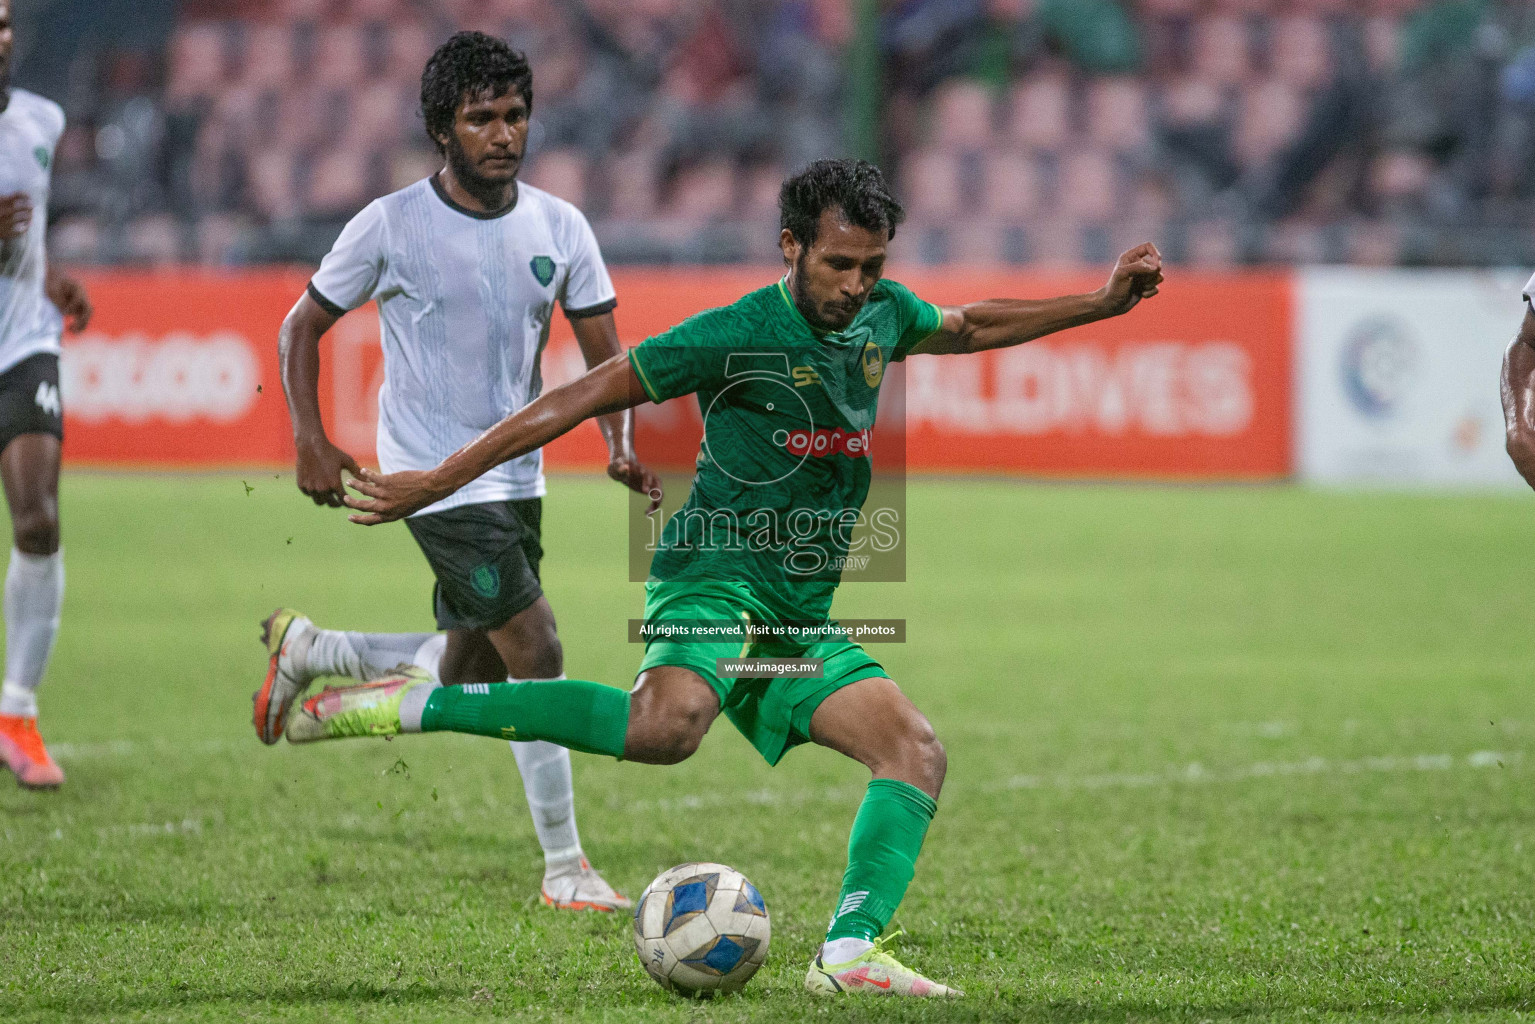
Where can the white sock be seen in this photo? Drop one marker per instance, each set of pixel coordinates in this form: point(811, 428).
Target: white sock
point(840, 951)
point(429, 657)
point(17, 700)
point(429, 654)
point(545, 769)
point(34, 593)
point(413, 705)
point(364, 656)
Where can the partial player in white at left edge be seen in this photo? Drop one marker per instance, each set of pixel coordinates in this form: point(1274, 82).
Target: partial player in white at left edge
point(36, 302)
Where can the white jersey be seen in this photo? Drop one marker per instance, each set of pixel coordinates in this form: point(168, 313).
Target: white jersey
point(29, 130)
point(464, 305)
point(1529, 291)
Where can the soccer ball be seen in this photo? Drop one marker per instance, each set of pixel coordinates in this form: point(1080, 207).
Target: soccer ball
point(701, 929)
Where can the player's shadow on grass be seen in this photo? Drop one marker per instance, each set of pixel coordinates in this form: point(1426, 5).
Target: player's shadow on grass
point(26, 805)
point(1519, 998)
point(417, 838)
point(350, 997)
point(246, 1000)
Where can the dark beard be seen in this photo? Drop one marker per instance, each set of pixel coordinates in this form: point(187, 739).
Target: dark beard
point(493, 195)
point(803, 303)
point(801, 298)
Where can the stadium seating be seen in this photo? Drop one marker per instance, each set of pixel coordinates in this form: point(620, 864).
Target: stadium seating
point(304, 109)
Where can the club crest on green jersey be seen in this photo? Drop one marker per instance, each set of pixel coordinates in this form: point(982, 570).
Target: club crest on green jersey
point(873, 364)
point(543, 269)
point(486, 580)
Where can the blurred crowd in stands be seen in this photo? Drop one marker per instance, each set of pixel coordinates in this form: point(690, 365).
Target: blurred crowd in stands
point(1017, 131)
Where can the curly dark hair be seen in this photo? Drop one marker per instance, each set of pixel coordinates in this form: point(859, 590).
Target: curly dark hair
point(470, 64)
point(854, 186)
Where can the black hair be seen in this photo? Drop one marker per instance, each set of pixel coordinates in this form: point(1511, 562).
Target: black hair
point(853, 186)
point(469, 64)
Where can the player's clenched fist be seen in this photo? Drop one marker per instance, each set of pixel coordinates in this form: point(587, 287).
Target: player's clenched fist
point(1137, 276)
point(319, 466)
point(15, 215)
point(69, 296)
point(639, 478)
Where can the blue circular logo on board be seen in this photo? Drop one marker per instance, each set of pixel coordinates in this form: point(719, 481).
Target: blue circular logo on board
point(1380, 363)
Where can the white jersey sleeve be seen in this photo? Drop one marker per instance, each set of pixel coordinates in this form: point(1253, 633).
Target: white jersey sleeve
point(588, 289)
point(1529, 291)
point(350, 274)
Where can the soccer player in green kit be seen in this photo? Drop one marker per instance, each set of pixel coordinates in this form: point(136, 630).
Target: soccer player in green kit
point(779, 483)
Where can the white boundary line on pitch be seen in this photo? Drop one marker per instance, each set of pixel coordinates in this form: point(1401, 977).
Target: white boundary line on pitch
point(128, 748)
point(190, 825)
point(1197, 773)
point(1194, 773)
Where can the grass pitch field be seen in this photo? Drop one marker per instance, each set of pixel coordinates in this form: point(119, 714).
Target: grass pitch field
point(1215, 754)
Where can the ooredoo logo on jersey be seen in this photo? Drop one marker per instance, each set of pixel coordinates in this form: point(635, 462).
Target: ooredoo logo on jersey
point(820, 443)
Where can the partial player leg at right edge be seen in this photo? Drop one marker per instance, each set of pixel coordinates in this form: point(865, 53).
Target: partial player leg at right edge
point(662, 721)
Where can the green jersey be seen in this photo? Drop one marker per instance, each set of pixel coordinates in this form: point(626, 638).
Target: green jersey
point(786, 458)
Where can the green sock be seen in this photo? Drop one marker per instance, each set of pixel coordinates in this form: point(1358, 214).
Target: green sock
point(588, 717)
point(881, 857)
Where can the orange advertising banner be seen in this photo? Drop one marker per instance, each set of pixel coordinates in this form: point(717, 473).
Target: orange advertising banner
point(180, 370)
point(1195, 383)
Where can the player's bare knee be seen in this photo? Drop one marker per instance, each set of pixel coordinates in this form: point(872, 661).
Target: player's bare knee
point(667, 730)
point(923, 756)
point(937, 760)
point(663, 742)
point(36, 531)
point(544, 656)
point(682, 729)
point(530, 646)
point(674, 744)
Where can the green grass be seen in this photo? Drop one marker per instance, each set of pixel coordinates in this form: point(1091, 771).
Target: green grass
point(1215, 754)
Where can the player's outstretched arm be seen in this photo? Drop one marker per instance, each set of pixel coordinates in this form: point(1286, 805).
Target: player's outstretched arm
point(608, 388)
point(1000, 323)
point(1518, 387)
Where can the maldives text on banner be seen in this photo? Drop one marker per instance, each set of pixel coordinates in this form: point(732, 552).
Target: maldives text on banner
point(180, 369)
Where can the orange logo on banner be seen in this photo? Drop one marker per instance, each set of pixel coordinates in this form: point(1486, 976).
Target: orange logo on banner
point(181, 370)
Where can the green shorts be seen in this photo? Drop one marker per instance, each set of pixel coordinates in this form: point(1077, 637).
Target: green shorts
point(772, 713)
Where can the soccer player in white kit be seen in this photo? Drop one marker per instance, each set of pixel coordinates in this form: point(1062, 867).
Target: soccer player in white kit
point(35, 299)
point(466, 268)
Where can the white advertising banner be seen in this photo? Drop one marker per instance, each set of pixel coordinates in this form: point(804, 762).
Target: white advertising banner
point(1398, 376)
